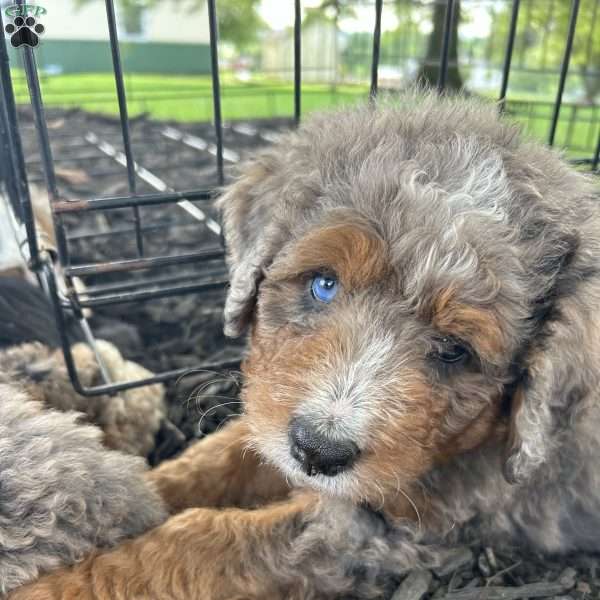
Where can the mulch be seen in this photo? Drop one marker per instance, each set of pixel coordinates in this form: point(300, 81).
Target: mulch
point(169, 333)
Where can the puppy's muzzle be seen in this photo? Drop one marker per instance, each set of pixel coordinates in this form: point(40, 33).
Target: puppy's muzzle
point(318, 454)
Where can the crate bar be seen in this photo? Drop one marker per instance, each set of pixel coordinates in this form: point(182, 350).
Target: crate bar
point(39, 118)
point(43, 139)
point(8, 162)
point(36, 162)
point(114, 388)
point(81, 235)
point(109, 203)
point(216, 85)
point(581, 161)
point(376, 49)
point(110, 388)
point(17, 178)
point(443, 75)
point(136, 264)
point(123, 116)
point(142, 295)
point(297, 61)
point(93, 291)
point(37, 175)
point(154, 181)
point(510, 46)
point(564, 69)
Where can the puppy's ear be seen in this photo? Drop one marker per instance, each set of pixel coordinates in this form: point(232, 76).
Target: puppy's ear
point(252, 236)
point(556, 365)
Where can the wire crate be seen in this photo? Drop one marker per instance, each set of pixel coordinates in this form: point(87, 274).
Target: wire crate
point(146, 276)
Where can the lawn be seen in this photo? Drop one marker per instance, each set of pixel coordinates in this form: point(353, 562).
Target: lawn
point(189, 98)
point(186, 98)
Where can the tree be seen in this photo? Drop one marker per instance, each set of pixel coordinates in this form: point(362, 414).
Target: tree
point(239, 21)
point(541, 37)
point(331, 11)
point(429, 71)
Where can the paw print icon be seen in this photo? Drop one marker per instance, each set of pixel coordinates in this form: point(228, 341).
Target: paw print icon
point(24, 32)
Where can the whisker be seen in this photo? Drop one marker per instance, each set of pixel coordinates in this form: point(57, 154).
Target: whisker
point(218, 377)
point(194, 372)
point(212, 408)
point(411, 439)
point(227, 418)
point(220, 397)
point(381, 494)
point(414, 506)
point(206, 384)
point(229, 445)
point(197, 391)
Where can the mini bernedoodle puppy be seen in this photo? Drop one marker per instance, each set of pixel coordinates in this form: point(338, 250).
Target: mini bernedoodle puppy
point(421, 287)
point(62, 493)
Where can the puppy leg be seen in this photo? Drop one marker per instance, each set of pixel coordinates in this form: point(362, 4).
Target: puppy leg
point(218, 471)
point(202, 554)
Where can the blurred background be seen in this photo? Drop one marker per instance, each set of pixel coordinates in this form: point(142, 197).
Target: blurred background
point(165, 52)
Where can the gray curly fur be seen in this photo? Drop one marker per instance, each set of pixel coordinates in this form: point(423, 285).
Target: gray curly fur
point(62, 494)
point(130, 420)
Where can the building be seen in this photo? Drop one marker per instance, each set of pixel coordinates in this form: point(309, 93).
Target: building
point(164, 36)
point(320, 53)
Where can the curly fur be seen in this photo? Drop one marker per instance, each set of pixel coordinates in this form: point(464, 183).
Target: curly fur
point(442, 223)
point(470, 213)
point(130, 420)
point(62, 494)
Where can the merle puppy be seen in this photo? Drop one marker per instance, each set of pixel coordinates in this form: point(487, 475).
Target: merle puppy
point(421, 287)
point(62, 494)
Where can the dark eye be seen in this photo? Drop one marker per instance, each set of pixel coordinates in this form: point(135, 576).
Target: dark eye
point(324, 288)
point(451, 351)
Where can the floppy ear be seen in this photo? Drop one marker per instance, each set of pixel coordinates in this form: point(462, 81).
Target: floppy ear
point(253, 234)
point(558, 364)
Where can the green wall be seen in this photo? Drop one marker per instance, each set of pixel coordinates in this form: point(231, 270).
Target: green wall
point(90, 56)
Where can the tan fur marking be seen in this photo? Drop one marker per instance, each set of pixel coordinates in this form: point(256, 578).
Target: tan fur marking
point(478, 326)
point(218, 471)
point(404, 445)
point(219, 561)
point(485, 426)
point(280, 362)
point(353, 250)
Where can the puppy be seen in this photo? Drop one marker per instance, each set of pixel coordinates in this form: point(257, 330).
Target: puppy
point(133, 421)
point(420, 283)
point(130, 420)
point(61, 493)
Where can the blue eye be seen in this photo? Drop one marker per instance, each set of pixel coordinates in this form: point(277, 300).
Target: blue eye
point(324, 288)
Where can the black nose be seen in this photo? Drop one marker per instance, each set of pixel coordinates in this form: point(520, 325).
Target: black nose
point(318, 454)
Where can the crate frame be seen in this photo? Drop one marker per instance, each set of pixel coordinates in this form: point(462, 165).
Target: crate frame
point(54, 269)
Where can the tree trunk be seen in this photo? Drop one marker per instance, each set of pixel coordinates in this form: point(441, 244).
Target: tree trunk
point(333, 85)
point(430, 68)
point(591, 84)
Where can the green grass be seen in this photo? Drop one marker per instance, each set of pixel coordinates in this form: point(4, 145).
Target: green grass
point(189, 98)
point(186, 98)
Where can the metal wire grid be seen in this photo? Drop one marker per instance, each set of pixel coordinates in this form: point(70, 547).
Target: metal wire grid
point(53, 271)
